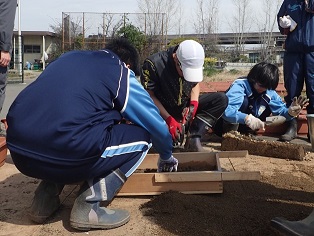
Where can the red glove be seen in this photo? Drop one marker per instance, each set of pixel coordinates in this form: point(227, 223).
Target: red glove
point(193, 109)
point(174, 127)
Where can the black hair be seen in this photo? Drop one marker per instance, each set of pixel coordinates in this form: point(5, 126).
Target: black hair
point(126, 52)
point(266, 74)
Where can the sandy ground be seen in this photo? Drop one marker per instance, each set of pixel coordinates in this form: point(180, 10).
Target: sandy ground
point(286, 189)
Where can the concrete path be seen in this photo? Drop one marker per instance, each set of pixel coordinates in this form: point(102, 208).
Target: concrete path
point(13, 89)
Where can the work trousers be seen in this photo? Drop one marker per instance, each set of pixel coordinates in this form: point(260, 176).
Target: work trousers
point(3, 84)
point(299, 68)
point(126, 149)
point(213, 104)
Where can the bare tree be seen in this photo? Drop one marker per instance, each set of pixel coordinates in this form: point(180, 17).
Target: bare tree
point(200, 19)
point(240, 23)
point(207, 17)
point(206, 24)
point(71, 28)
point(269, 20)
point(112, 23)
point(179, 21)
point(159, 15)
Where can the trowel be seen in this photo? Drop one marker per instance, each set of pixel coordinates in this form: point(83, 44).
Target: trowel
point(274, 120)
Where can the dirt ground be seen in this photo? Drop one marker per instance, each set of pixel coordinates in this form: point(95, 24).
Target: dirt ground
point(286, 189)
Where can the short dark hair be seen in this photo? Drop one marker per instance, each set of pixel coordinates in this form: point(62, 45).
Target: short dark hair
point(266, 74)
point(126, 52)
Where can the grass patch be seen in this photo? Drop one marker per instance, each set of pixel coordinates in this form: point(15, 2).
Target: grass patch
point(209, 72)
point(234, 72)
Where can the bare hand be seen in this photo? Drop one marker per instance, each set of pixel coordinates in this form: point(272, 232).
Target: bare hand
point(5, 59)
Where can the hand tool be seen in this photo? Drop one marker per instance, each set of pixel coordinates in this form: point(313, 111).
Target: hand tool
point(274, 120)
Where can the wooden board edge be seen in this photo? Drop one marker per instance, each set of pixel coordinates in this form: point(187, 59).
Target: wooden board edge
point(158, 193)
point(200, 176)
point(233, 154)
point(241, 175)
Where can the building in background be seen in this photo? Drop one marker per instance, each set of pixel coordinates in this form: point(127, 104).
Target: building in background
point(36, 47)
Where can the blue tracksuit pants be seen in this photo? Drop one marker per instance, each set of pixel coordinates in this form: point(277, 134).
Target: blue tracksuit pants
point(299, 68)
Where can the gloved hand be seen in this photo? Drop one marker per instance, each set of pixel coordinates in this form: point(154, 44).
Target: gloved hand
point(167, 165)
point(254, 123)
point(284, 22)
point(293, 24)
point(193, 109)
point(297, 105)
point(174, 127)
point(188, 113)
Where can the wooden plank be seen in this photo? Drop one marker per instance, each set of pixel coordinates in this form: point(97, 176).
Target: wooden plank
point(150, 161)
point(3, 150)
point(192, 176)
point(188, 182)
point(219, 190)
point(144, 184)
point(241, 175)
point(233, 154)
point(218, 162)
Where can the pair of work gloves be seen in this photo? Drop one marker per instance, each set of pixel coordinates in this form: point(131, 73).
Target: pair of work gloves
point(287, 22)
point(294, 110)
point(175, 128)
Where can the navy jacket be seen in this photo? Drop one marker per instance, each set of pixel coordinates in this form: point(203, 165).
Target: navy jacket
point(65, 113)
point(302, 38)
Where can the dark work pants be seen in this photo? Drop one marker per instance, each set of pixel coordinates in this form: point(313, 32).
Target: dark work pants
point(299, 68)
point(213, 104)
point(3, 84)
point(127, 146)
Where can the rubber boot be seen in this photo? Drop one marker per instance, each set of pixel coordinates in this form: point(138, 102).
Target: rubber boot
point(227, 127)
point(291, 132)
point(46, 201)
point(197, 129)
point(298, 228)
point(87, 214)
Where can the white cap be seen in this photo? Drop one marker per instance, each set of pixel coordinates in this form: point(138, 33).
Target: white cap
point(191, 55)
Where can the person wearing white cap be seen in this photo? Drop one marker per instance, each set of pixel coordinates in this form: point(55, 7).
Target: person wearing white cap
point(172, 79)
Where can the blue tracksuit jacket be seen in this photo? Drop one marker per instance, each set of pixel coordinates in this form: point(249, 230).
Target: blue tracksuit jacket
point(240, 92)
point(64, 116)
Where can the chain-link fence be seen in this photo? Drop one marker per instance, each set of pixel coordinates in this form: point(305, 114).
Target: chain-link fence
point(91, 31)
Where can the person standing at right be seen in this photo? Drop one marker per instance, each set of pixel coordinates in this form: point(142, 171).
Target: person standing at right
point(296, 20)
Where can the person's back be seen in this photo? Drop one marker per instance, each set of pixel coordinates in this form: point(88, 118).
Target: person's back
point(75, 110)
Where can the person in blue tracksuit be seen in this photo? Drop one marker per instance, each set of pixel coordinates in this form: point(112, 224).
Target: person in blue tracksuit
point(253, 98)
point(296, 20)
point(69, 126)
